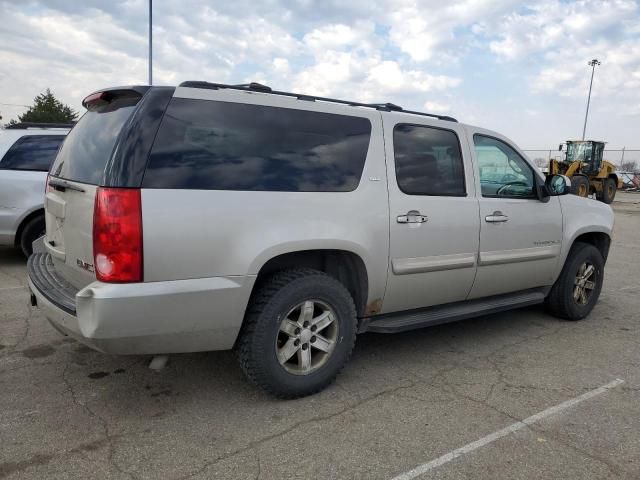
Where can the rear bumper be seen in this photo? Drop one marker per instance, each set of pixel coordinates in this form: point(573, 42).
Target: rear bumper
point(143, 318)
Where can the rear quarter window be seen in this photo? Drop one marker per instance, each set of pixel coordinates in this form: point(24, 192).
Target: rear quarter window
point(211, 145)
point(32, 152)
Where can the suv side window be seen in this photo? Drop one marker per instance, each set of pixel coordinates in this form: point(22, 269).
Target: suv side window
point(503, 172)
point(212, 145)
point(32, 152)
point(428, 161)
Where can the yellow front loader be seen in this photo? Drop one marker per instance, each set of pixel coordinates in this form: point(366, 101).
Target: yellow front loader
point(588, 172)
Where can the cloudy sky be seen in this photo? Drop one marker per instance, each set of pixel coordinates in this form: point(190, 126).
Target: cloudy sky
point(513, 66)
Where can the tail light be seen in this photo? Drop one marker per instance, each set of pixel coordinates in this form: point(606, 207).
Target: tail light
point(117, 235)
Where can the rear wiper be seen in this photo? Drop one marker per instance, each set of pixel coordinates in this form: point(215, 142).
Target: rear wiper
point(62, 185)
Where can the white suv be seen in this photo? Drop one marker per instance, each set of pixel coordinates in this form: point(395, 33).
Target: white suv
point(26, 153)
point(211, 217)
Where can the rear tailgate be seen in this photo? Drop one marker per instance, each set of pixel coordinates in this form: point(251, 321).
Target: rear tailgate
point(74, 178)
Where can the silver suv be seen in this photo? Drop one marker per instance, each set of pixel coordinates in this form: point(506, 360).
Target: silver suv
point(211, 217)
point(26, 153)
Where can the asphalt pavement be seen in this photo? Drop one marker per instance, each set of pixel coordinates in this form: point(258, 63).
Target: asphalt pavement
point(517, 395)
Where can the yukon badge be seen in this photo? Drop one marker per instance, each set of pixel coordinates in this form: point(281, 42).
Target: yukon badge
point(84, 265)
point(546, 242)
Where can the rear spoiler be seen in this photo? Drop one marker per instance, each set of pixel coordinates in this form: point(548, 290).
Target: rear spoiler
point(106, 95)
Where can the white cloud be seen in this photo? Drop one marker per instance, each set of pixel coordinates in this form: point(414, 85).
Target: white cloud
point(442, 56)
point(369, 79)
point(432, 29)
point(560, 37)
point(552, 23)
point(340, 36)
point(389, 75)
point(281, 66)
point(436, 107)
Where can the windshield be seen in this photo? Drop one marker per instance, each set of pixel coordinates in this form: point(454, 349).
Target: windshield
point(88, 147)
point(580, 152)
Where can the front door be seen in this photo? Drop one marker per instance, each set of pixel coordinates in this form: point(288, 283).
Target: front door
point(520, 236)
point(434, 215)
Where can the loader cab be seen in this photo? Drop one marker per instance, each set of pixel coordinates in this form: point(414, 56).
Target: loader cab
point(587, 152)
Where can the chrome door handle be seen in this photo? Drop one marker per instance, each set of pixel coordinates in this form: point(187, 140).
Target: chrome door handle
point(412, 216)
point(496, 217)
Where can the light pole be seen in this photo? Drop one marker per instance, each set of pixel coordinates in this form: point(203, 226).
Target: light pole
point(592, 64)
point(150, 44)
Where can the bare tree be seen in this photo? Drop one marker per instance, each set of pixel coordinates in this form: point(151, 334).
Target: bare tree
point(629, 166)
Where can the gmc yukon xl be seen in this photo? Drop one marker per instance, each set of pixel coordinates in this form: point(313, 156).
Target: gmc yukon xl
point(281, 225)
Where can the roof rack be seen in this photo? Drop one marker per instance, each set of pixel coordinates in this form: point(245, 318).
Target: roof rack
point(257, 87)
point(22, 125)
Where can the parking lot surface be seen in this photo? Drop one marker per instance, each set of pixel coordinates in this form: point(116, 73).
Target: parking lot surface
point(403, 401)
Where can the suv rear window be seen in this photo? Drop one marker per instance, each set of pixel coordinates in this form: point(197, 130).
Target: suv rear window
point(32, 152)
point(211, 145)
point(90, 143)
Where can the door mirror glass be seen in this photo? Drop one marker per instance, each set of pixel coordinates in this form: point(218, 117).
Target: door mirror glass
point(558, 185)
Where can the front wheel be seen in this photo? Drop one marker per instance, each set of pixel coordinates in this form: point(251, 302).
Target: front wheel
point(580, 185)
point(609, 189)
point(298, 333)
point(578, 287)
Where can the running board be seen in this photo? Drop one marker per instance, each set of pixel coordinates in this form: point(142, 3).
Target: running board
point(412, 319)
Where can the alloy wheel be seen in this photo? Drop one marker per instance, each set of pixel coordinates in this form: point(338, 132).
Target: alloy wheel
point(584, 283)
point(307, 337)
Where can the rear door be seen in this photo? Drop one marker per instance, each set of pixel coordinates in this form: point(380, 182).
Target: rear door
point(434, 213)
point(73, 180)
point(520, 236)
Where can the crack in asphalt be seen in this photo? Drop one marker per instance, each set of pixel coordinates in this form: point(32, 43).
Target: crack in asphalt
point(259, 465)
point(321, 418)
point(9, 468)
point(611, 466)
point(27, 329)
point(31, 365)
point(413, 378)
point(105, 426)
point(496, 359)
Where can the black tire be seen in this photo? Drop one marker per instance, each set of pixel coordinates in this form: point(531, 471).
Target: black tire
point(580, 185)
point(274, 299)
point(561, 302)
point(609, 188)
point(33, 230)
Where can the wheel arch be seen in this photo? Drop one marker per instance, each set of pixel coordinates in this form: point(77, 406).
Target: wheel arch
point(600, 240)
point(345, 266)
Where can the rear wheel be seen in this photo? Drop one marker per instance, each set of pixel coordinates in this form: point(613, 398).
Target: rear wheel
point(577, 289)
point(580, 185)
point(298, 333)
point(33, 230)
point(609, 189)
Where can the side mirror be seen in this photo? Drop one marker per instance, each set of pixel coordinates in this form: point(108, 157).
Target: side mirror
point(558, 185)
point(560, 147)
